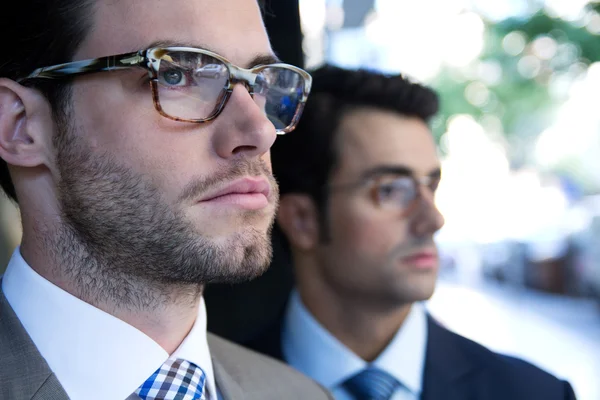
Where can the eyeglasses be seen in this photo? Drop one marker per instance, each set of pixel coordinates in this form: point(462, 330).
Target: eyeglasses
point(193, 85)
point(394, 192)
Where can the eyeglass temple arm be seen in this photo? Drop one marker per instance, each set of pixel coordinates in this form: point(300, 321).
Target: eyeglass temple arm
point(109, 63)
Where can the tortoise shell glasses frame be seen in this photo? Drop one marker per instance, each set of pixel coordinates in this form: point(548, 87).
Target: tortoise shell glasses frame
point(284, 88)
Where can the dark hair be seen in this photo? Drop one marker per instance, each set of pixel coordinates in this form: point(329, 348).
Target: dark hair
point(304, 159)
point(39, 33)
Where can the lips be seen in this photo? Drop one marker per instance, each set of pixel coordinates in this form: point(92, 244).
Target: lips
point(250, 193)
point(243, 186)
point(422, 260)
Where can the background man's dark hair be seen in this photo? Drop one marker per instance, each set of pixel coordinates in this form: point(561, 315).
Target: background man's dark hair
point(39, 33)
point(304, 159)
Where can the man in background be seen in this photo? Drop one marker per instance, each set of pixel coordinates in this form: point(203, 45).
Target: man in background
point(357, 181)
point(135, 138)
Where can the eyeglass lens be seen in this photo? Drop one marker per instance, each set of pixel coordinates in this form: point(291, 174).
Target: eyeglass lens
point(397, 193)
point(193, 86)
point(401, 192)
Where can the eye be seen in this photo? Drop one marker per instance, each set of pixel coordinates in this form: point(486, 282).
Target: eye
point(172, 77)
point(433, 184)
point(400, 190)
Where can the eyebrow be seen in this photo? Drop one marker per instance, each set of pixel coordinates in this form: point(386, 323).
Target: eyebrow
point(401, 170)
point(263, 59)
point(260, 59)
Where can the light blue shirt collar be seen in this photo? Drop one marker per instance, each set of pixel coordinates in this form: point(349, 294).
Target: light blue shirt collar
point(311, 349)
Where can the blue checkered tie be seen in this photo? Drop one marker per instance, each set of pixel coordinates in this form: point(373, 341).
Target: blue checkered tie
point(176, 379)
point(372, 384)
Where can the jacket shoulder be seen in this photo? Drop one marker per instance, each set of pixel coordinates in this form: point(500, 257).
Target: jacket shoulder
point(514, 377)
point(24, 374)
point(504, 365)
point(261, 376)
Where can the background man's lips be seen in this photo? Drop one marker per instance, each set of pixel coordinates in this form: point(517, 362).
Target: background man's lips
point(422, 254)
point(422, 259)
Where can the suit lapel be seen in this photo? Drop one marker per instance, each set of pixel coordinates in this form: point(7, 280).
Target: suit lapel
point(226, 385)
point(25, 373)
point(50, 390)
point(446, 367)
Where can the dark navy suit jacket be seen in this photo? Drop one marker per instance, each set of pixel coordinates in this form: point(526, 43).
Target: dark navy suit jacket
point(457, 368)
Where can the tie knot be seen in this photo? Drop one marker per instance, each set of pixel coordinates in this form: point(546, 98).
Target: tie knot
point(372, 384)
point(176, 379)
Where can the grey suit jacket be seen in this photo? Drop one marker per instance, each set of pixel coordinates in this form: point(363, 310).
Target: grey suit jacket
point(240, 374)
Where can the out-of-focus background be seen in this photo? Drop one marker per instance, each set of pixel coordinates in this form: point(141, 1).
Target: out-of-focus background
point(519, 137)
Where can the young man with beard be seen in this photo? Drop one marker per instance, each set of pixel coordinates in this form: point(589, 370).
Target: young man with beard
point(135, 138)
point(357, 182)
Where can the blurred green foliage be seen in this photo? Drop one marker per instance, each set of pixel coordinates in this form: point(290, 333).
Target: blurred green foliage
point(524, 105)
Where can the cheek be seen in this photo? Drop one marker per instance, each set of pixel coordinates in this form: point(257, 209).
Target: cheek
point(172, 161)
point(168, 152)
point(111, 118)
point(366, 231)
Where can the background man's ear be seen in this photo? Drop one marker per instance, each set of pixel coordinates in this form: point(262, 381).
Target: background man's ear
point(25, 125)
point(298, 219)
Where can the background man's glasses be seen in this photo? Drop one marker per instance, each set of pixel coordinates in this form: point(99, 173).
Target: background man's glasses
point(193, 85)
point(400, 193)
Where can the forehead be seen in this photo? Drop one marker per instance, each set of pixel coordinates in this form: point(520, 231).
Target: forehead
point(368, 138)
point(232, 28)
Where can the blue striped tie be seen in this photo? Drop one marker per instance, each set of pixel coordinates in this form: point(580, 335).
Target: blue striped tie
point(372, 384)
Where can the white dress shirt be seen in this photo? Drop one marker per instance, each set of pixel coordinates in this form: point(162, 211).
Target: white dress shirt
point(311, 349)
point(94, 355)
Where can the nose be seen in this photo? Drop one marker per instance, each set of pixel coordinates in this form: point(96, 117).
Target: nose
point(242, 128)
point(427, 219)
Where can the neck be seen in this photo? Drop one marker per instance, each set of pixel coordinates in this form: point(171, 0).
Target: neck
point(164, 312)
point(364, 328)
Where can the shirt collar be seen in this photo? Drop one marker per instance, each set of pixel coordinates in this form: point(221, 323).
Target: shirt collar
point(311, 349)
point(194, 348)
point(404, 357)
point(93, 354)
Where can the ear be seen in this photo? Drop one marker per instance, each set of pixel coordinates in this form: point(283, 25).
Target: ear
point(298, 219)
point(25, 125)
